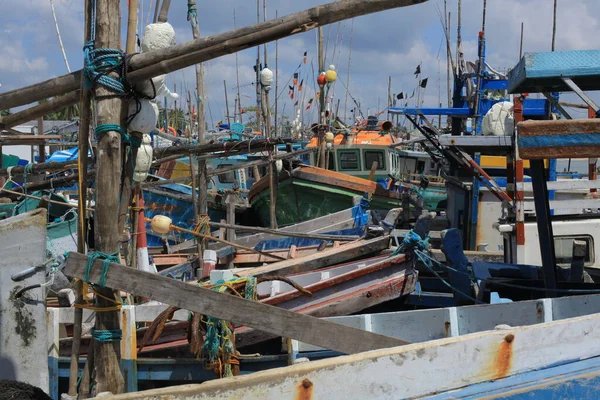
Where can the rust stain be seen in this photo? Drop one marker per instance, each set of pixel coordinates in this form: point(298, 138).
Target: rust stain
point(503, 358)
point(305, 390)
point(447, 328)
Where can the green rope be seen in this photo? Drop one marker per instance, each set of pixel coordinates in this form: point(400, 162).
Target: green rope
point(218, 332)
point(108, 258)
point(27, 170)
point(107, 335)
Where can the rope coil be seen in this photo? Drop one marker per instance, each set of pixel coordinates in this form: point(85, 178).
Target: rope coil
point(107, 335)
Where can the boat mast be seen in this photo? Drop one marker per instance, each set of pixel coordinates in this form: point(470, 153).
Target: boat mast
point(348, 72)
point(257, 83)
point(321, 130)
point(237, 77)
point(276, 79)
point(266, 103)
point(62, 48)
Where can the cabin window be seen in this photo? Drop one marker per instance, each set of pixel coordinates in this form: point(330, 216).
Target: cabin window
point(420, 167)
point(349, 160)
point(374, 156)
point(227, 177)
point(563, 247)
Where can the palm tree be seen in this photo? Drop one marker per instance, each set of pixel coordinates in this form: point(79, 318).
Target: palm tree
point(66, 114)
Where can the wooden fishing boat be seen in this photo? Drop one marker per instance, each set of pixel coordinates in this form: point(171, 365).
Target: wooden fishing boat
point(546, 348)
point(354, 152)
point(309, 192)
point(338, 290)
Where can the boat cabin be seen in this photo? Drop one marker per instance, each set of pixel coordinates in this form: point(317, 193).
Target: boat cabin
point(354, 154)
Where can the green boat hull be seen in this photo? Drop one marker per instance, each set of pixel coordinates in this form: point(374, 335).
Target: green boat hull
point(300, 200)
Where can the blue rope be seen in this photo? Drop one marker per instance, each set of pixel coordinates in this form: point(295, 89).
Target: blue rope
point(412, 241)
point(107, 335)
point(192, 13)
point(108, 258)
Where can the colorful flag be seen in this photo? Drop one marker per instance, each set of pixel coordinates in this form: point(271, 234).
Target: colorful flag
point(300, 86)
point(296, 103)
point(305, 53)
point(309, 104)
point(423, 83)
point(400, 96)
point(295, 78)
point(418, 70)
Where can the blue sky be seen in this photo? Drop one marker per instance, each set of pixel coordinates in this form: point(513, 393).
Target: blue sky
point(390, 43)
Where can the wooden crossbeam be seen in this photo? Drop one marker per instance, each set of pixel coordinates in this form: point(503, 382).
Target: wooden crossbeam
point(559, 139)
point(266, 318)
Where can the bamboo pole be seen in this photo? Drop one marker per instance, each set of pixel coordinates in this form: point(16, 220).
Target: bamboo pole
point(82, 161)
point(196, 51)
point(131, 26)
point(216, 239)
point(107, 368)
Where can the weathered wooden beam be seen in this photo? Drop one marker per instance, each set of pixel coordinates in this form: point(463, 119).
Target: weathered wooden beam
point(247, 146)
point(322, 259)
point(204, 49)
point(57, 103)
point(267, 318)
point(574, 138)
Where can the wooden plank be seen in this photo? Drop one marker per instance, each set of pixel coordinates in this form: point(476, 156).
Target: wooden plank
point(399, 372)
point(575, 138)
point(322, 259)
point(241, 311)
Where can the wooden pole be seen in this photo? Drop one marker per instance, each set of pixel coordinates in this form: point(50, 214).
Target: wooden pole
point(202, 205)
point(82, 162)
point(42, 146)
point(276, 133)
point(321, 130)
point(127, 194)
point(257, 83)
point(554, 26)
point(521, 42)
point(237, 77)
point(148, 65)
point(273, 194)
point(164, 11)
point(108, 177)
point(131, 26)
point(226, 104)
point(156, 10)
point(348, 72)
